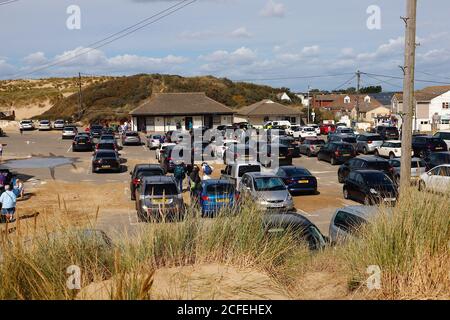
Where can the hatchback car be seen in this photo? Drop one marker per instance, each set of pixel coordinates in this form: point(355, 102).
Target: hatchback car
point(69, 132)
point(44, 125)
point(424, 145)
point(159, 199)
point(418, 167)
point(140, 171)
point(344, 130)
point(370, 187)
point(26, 125)
point(311, 147)
point(105, 145)
point(364, 163)
point(297, 179)
point(216, 195)
point(131, 138)
point(388, 133)
point(336, 152)
point(81, 143)
point(437, 179)
point(368, 143)
point(444, 135)
point(106, 160)
point(58, 124)
point(154, 141)
point(390, 149)
point(268, 191)
point(160, 150)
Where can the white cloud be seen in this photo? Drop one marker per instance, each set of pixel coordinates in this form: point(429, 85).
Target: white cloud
point(273, 9)
point(37, 58)
point(310, 51)
point(222, 59)
point(241, 32)
point(306, 52)
point(6, 68)
point(197, 35)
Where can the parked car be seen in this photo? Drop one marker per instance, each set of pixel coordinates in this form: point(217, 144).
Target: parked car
point(81, 143)
point(160, 150)
point(346, 222)
point(390, 149)
point(364, 163)
point(311, 147)
point(326, 129)
point(26, 125)
point(267, 191)
point(344, 130)
point(297, 179)
point(370, 187)
point(444, 135)
point(292, 144)
point(131, 138)
point(305, 132)
point(351, 139)
point(437, 179)
point(388, 132)
point(105, 160)
point(302, 230)
point(95, 130)
point(336, 152)
point(44, 125)
point(220, 146)
point(159, 199)
point(69, 132)
point(167, 158)
point(315, 126)
point(235, 171)
point(216, 195)
point(58, 124)
point(140, 171)
point(154, 141)
point(106, 145)
point(436, 159)
point(368, 143)
point(424, 145)
point(418, 167)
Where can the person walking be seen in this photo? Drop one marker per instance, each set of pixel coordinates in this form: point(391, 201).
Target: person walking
point(21, 130)
point(8, 200)
point(207, 171)
point(195, 183)
point(18, 189)
point(179, 172)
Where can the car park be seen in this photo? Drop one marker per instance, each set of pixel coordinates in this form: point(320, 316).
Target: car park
point(234, 172)
point(131, 138)
point(266, 190)
point(220, 147)
point(69, 132)
point(444, 135)
point(437, 179)
point(154, 141)
point(364, 163)
point(368, 143)
point(81, 143)
point(297, 179)
point(424, 145)
point(106, 160)
point(311, 147)
point(388, 132)
point(58, 124)
point(44, 125)
point(140, 171)
point(370, 187)
point(435, 159)
point(296, 225)
point(216, 195)
point(160, 150)
point(346, 221)
point(418, 167)
point(159, 199)
point(336, 152)
point(26, 125)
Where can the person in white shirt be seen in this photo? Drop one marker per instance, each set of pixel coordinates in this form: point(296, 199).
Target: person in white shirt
point(207, 171)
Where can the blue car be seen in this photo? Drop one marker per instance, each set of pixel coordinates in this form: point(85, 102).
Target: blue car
point(216, 195)
point(298, 179)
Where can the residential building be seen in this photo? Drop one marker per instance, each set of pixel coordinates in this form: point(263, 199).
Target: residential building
point(284, 97)
point(172, 111)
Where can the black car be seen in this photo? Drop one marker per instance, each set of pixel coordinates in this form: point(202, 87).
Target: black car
point(167, 158)
point(436, 159)
point(268, 152)
point(336, 152)
point(81, 143)
point(291, 143)
point(364, 163)
point(388, 133)
point(106, 160)
point(143, 170)
point(370, 187)
point(303, 230)
point(95, 131)
point(297, 179)
point(424, 145)
point(106, 145)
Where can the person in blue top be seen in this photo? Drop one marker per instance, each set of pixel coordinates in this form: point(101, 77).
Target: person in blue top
point(8, 200)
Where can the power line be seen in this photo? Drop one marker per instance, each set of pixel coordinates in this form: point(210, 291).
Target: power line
point(2, 3)
point(294, 77)
point(401, 78)
point(345, 83)
point(383, 81)
point(433, 75)
point(118, 35)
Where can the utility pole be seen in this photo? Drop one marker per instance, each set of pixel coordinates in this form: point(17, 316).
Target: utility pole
point(358, 88)
point(408, 94)
point(309, 88)
point(80, 105)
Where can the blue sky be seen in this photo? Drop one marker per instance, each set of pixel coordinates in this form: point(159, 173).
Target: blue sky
point(238, 39)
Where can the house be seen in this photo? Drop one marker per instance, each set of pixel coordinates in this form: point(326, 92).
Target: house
point(284, 97)
point(372, 113)
point(432, 104)
point(172, 111)
point(304, 98)
point(267, 110)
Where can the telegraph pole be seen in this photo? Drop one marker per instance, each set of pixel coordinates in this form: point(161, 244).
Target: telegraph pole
point(80, 105)
point(358, 88)
point(309, 88)
point(408, 94)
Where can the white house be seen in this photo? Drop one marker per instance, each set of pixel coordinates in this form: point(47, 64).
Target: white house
point(284, 97)
point(432, 104)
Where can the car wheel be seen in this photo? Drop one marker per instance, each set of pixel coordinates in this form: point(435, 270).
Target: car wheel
point(346, 196)
point(365, 151)
point(377, 153)
point(391, 155)
point(333, 161)
point(340, 178)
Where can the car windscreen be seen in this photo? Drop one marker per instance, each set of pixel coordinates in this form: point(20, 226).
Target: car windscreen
point(82, 139)
point(377, 179)
point(444, 135)
point(156, 137)
point(220, 189)
point(292, 172)
point(150, 172)
point(168, 189)
point(111, 155)
point(392, 130)
point(349, 140)
point(346, 130)
point(269, 184)
point(107, 137)
point(96, 127)
point(45, 122)
point(131, 134)
point(434, 140)
point(375, 138)
point(248, 168)
point(106, 146)
point(69, 129)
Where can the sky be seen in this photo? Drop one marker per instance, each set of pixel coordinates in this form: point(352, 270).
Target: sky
point(282, 43)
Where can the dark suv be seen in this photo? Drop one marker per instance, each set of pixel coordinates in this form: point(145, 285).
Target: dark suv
point(106, 160)
point(388, 133)
point(364, 163)
point(140, 171)
point(336, 152)
point(158, 198)
point(424, 145)
point(81, 143)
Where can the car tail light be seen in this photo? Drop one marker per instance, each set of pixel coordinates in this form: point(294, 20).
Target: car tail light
point(337, 153)
point(205, 198)
point(136, 181)
point(369, 142)
point(237, 196)
point(96, 146)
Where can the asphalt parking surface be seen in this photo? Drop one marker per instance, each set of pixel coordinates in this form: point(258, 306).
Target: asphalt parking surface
point(34, 144)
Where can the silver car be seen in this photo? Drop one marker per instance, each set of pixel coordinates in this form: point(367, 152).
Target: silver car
point(267, 190)
point(418, 167)
point(69, 132)
point(58, 124)
point(368, 143)
point(131, 137)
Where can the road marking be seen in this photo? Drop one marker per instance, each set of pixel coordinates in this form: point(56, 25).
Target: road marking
point(144, 147)
point(69, 149)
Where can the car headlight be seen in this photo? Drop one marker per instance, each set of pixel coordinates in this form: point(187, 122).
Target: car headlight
point(263, 202)
point(373, 191)
point(144, 207)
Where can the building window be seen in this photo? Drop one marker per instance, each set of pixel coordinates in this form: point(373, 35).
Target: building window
point(444, 105)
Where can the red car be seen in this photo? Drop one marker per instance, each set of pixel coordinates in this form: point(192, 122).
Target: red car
point(327, 128)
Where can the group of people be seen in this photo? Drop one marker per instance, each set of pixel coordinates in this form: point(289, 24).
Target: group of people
point(195, 176)
point(11, 191)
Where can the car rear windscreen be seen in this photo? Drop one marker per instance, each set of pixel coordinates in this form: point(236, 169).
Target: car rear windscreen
point(418, 164)
point(220, 189)
point(106, 155)
point(131, 134)
point(150, 172)
point(168, 189)
point(375, 138)
point(379, 165)
point(297, 172)
point(392, 130)
point(377, 179)
point(248, 168)
point(349, 140)
point(345, 147)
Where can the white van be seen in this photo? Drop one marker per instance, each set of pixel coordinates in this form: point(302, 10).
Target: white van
point(235, 171)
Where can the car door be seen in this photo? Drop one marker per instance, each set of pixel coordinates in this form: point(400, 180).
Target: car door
point(383, 151)
point(442, 180)
point(359, 187)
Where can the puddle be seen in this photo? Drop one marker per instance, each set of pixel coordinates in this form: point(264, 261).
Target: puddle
point(37, 163)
